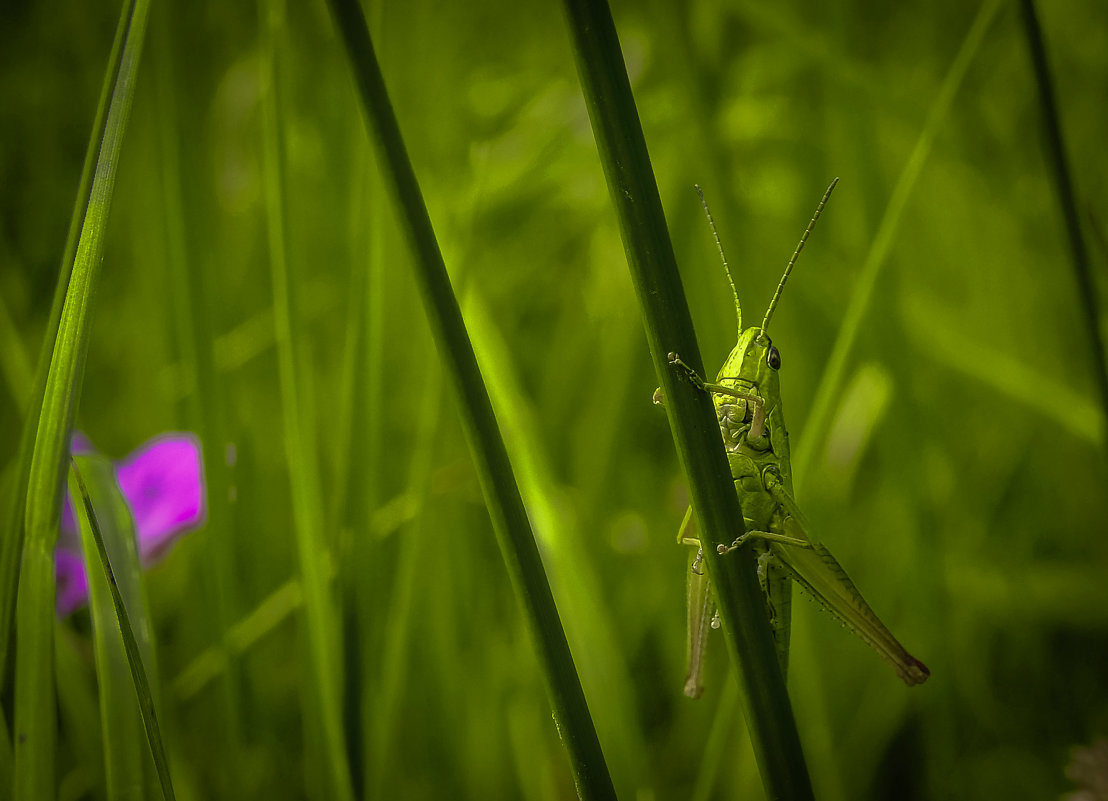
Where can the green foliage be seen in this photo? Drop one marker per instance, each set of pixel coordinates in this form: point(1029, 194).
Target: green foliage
point(959, 476)
point(124, 652)
point(691, 412)
point(54, 403)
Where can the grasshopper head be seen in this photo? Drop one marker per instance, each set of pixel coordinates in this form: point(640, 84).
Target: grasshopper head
point(753, 364)
point(751, 370)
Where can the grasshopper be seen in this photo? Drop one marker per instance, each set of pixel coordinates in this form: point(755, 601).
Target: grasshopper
point(746, 394)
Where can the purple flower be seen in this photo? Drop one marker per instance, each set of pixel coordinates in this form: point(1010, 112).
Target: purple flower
point(163, 483)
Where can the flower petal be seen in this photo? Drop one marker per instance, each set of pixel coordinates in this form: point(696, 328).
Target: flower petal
point(163, 483)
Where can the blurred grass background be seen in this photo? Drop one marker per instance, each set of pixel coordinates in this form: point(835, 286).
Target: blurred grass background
point(961, 480)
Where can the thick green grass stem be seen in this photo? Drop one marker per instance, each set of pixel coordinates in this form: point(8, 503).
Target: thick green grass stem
point(513, 531)
point(11, 537)
point(669, 329)
point(1063, 182)
point(35, 732)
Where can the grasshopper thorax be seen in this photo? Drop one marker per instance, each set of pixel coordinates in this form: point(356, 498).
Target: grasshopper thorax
point(751, 371)
point(748, 394)
point(753, 363)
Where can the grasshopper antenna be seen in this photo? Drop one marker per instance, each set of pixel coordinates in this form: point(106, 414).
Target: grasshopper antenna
point(796, 254)
point(727, 269)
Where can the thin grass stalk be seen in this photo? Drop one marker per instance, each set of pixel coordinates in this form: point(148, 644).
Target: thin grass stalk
point(78, 712)
point(715, 747)
point(514, 535)
point(307, 505)
point(349, 438)
point(367, 549)
point(5, 752)
point(35, 732)
point(120, 725)
point(351, 472)
point(11, 537)
point(194, 336)
point(692, 418)
point(1058, 163)
point(125, 745)
point(399, 620)
point(590, 622)
point(15, 364)
point(89, 523)
point(270, 613)
point(813, 437)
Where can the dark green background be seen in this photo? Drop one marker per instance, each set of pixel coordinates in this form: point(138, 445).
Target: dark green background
point(962, 481)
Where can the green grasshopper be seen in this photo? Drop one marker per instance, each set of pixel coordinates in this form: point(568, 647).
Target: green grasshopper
point(746, 394)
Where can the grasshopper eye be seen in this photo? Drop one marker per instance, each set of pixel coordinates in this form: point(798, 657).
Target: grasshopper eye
point(773, 358)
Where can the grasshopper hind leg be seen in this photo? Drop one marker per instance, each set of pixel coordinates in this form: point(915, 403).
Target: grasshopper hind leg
point(777, 589)
point(701, 612)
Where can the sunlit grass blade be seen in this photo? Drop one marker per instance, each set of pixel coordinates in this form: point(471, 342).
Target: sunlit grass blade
point(35, 732)
point(125, 745)
point(210, 664)
point(215, 598)
point(90, 526)
point(812, 438)
point(650, 258)
point(513, 531)
point(1060, 171)
point(124, 742)
point(589, 622)
point(11, 536)
point(320, 610)
point(277, 607)
point(936, 333)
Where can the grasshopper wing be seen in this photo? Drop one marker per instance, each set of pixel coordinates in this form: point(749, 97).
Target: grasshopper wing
point(701, 610)
point(777, 592)
point(821, 575)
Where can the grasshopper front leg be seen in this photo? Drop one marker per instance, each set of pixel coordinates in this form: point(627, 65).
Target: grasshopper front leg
point(757, 404)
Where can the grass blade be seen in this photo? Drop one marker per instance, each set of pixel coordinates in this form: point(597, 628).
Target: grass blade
point(5, 752)
point(79, 713)
point(14, 363)
point(206, 412)
point(398, 622)
point(319, 607)
point(516, 540)
point(1060, 170)
point(813, 437)
point(86, 515)
point(591, 626)
point(35, 719)
point(11, 537)
point(120, 719)
point(669, 329)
